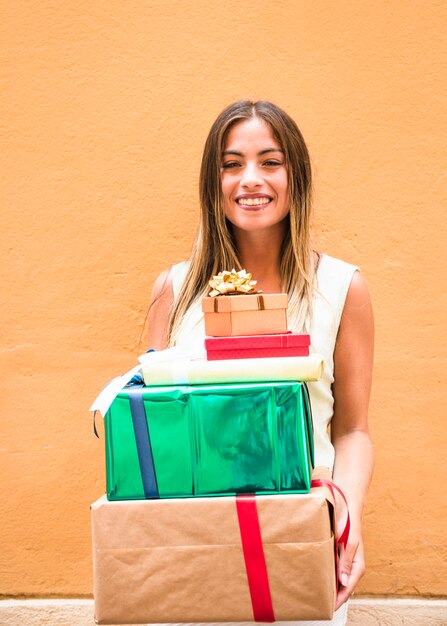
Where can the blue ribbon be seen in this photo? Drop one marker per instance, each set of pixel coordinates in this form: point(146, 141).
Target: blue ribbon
point(143, 442)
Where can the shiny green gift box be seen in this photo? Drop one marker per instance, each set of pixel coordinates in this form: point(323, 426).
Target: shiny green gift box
point(200, 440)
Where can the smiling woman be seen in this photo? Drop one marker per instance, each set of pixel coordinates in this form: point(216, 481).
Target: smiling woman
point(254, 179)
point(255, 192)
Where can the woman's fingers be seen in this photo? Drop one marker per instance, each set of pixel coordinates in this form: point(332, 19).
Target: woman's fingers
point(351, 567)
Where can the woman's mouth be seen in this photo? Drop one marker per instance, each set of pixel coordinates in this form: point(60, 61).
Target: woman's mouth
point(253, 203)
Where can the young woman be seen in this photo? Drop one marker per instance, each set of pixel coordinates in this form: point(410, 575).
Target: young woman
point(255, 197)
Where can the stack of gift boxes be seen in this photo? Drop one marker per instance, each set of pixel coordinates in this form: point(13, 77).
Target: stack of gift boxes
point(180, 537)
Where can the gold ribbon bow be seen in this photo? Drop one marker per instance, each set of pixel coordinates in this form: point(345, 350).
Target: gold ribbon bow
point(232, 283)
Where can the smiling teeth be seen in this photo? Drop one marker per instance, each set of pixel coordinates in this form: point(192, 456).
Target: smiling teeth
point(253, 201)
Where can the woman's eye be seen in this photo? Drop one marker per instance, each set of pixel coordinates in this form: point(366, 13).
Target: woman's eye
point(272, 163)
point(230, 165)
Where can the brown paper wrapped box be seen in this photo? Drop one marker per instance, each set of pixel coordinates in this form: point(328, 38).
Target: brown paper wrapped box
point(159, 561)
point(257, 314)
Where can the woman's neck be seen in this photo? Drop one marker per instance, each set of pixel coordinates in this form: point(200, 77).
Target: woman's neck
point(259, 254)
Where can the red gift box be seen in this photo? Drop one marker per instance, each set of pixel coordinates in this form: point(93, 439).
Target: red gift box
point(257, 346)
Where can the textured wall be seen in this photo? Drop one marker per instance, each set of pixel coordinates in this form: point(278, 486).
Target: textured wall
point(105, 109)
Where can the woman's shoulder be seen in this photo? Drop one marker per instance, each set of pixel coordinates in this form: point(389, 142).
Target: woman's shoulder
point(333, 279)
point(162, 284)
point(170, 279)
point(178, 273)
point(162, 299)
point(334, 274)
point(332, 266)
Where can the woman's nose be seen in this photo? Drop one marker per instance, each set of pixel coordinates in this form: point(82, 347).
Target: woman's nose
point(251, 176)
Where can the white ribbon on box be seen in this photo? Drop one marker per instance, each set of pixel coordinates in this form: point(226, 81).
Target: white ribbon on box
point(178, 357)
point(111, 390)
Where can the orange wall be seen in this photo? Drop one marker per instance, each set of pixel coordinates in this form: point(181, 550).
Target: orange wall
point(105, 110)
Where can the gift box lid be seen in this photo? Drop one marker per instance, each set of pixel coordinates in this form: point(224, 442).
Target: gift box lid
point(254, 302)
point(246, 342)
point(208, 521)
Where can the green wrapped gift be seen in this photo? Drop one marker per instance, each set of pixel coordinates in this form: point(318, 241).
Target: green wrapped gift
point(183, 441)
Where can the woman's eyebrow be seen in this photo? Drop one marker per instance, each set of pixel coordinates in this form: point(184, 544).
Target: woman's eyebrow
point(236, 153)
point(271, 150)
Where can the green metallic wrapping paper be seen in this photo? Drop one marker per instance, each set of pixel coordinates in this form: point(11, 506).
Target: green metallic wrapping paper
point(213, 440)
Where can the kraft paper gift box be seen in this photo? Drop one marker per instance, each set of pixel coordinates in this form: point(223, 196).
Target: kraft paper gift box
point(257, 346)
point(190, 560)
point(257, 314)
point(198, 371)
point(164, 442)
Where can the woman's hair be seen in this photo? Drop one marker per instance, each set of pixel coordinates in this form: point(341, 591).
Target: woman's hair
point(214, 247)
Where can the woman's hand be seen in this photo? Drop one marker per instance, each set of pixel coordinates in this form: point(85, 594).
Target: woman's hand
point(351, 567)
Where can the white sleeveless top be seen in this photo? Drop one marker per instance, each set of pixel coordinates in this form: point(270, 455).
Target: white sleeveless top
point(333, 280)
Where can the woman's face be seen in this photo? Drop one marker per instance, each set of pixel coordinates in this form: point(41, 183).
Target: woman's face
point(254, 177)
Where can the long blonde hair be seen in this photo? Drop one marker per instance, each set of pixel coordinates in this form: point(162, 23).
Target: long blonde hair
point(214, 247)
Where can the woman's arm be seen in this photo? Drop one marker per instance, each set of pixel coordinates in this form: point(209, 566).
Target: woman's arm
point(159, 310)
point(353, 361)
